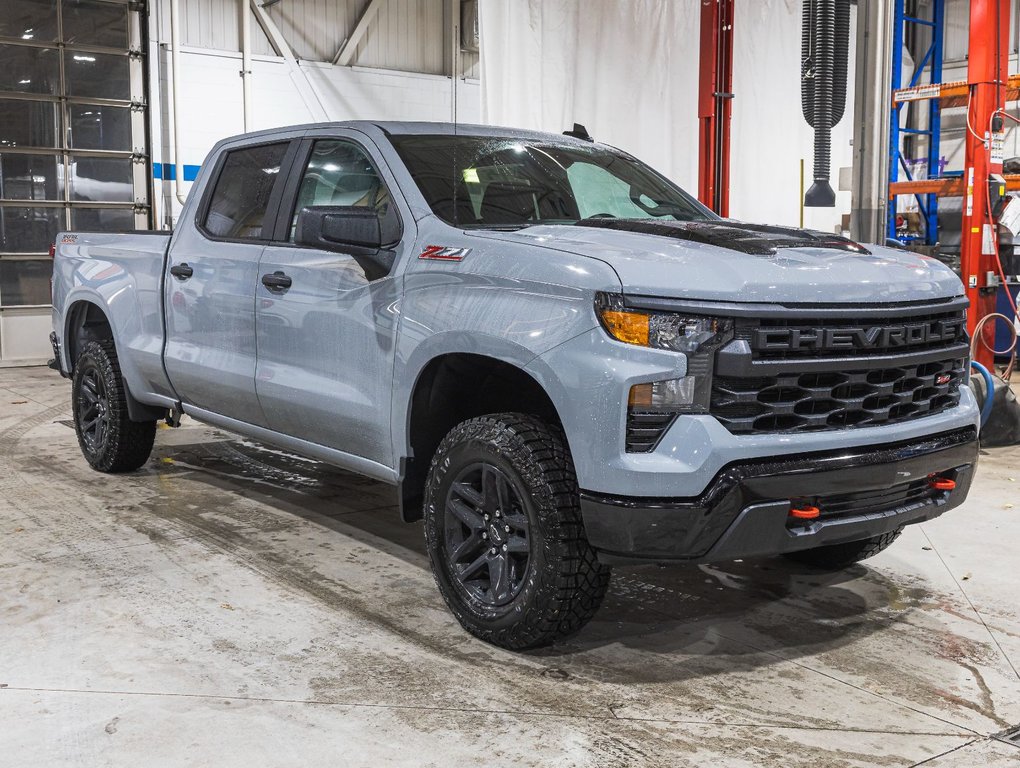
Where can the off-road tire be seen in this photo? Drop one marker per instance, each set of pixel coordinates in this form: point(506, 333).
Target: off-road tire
point(563, 583)
point(836, 557)
point(125, 445)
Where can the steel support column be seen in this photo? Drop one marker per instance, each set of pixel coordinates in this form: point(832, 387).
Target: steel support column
point(869, 193)
point(714, 104)
point(987, 71)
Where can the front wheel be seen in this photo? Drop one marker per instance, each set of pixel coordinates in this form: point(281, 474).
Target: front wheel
point(109, 440)
point(836, 557)
point(504, 533)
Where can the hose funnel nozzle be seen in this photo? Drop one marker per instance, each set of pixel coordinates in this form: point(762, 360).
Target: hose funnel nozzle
point(820, 195)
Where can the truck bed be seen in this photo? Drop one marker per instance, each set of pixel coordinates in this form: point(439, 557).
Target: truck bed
point(123, 272)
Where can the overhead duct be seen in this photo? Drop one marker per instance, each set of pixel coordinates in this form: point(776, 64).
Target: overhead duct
point(825, 39)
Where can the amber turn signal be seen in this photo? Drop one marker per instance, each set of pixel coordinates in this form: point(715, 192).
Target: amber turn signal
point(631, 327)
point(640, 396)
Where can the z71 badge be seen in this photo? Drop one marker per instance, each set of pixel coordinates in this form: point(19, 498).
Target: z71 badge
point(443, 253)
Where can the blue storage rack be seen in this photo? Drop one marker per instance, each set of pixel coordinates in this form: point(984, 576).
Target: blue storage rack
point(930, 66)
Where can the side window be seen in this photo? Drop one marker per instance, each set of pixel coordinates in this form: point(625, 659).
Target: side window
point(341, 173)
point(241, 195)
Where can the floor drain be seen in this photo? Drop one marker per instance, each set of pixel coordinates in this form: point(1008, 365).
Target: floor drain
point(1010, 735)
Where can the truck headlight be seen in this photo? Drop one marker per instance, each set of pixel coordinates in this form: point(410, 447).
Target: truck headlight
point(689, 334)
point(696, 336)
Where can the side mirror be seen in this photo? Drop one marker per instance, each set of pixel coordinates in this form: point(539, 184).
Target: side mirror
point(331, 227)
point(355, 230)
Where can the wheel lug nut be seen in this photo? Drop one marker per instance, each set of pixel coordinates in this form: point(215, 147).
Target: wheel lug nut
point(485, 535)
point(504, 547)
point(492, 551)
point(506, 528)
point(498, 513)
point(486, 517)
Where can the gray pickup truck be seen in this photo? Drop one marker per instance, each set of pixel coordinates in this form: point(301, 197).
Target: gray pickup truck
point(561, 360)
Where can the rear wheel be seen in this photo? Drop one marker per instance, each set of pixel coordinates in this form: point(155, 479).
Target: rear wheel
point(838, 556)
point(109, 440)
point(504, 533)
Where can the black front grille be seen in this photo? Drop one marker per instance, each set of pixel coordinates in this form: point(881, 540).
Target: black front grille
point(645, 429)
point(802, 402)
point(799, 338)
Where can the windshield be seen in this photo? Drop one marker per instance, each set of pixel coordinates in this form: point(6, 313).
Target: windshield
point(492, 182)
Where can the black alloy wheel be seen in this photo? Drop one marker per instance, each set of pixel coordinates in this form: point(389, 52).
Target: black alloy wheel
point(504, 532)
point(486, 534)
point(108, 438)
point(93, 409)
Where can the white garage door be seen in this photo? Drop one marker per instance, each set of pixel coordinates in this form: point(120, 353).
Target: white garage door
point(73, 153)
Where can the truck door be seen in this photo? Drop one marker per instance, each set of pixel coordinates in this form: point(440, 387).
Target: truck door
point(326, 340)
point(210, 288)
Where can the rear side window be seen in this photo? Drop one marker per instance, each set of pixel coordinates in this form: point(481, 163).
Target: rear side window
point(241, 195)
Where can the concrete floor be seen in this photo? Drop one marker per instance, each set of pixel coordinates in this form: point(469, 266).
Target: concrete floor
point(230, 605)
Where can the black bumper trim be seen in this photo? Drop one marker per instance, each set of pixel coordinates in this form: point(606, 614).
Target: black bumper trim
point(744, 510)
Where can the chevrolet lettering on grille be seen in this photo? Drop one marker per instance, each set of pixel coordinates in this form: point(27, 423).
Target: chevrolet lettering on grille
point(873, 337)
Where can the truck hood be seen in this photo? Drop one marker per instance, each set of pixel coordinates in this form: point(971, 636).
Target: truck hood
point(731, 261)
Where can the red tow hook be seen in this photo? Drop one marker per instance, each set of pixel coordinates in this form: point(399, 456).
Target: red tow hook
point(941, 483)
point(805, 513)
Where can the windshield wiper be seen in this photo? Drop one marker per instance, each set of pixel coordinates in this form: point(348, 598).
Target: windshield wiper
point(498, 227)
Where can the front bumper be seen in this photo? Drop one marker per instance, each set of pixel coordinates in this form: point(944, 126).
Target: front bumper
point(589, 378)
point(744, 511)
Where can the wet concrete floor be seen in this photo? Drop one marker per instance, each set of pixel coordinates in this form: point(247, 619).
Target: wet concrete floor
point(231, 605)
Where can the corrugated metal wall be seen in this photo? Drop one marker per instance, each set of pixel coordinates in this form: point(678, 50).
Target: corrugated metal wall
point(957, 38)
point(406, 35)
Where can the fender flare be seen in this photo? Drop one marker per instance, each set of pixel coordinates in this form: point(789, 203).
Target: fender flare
point(137, 411)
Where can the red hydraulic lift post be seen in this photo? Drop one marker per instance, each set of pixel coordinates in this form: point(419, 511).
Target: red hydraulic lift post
point(987, 72)
point(714, 104)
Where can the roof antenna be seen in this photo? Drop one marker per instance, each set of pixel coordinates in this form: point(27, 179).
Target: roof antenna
point(454, 73)
point(579, 132)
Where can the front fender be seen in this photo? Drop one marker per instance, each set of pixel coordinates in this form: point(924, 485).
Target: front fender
point(409, 369)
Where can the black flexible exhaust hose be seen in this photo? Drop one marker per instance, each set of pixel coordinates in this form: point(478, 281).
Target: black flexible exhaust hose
point(807, 67)
point(841, 59)
point(824, 53)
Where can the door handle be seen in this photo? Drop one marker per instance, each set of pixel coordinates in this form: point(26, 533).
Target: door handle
point(182, 271)
point(276, 281)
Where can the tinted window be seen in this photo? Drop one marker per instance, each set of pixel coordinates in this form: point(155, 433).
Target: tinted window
point(486, 181)
point(341, 173)
point(242, 191)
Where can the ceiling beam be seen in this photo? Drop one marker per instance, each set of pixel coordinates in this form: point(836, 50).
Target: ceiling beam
point(345, 55)
point(305, 87)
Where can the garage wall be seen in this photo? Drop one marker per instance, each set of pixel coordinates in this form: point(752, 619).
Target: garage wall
point(769, 134)
point(405, 35)
point(957, 36)
point(629, 72)
point(311, 90)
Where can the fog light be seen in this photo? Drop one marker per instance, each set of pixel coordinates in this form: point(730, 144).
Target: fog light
point(668, 395)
